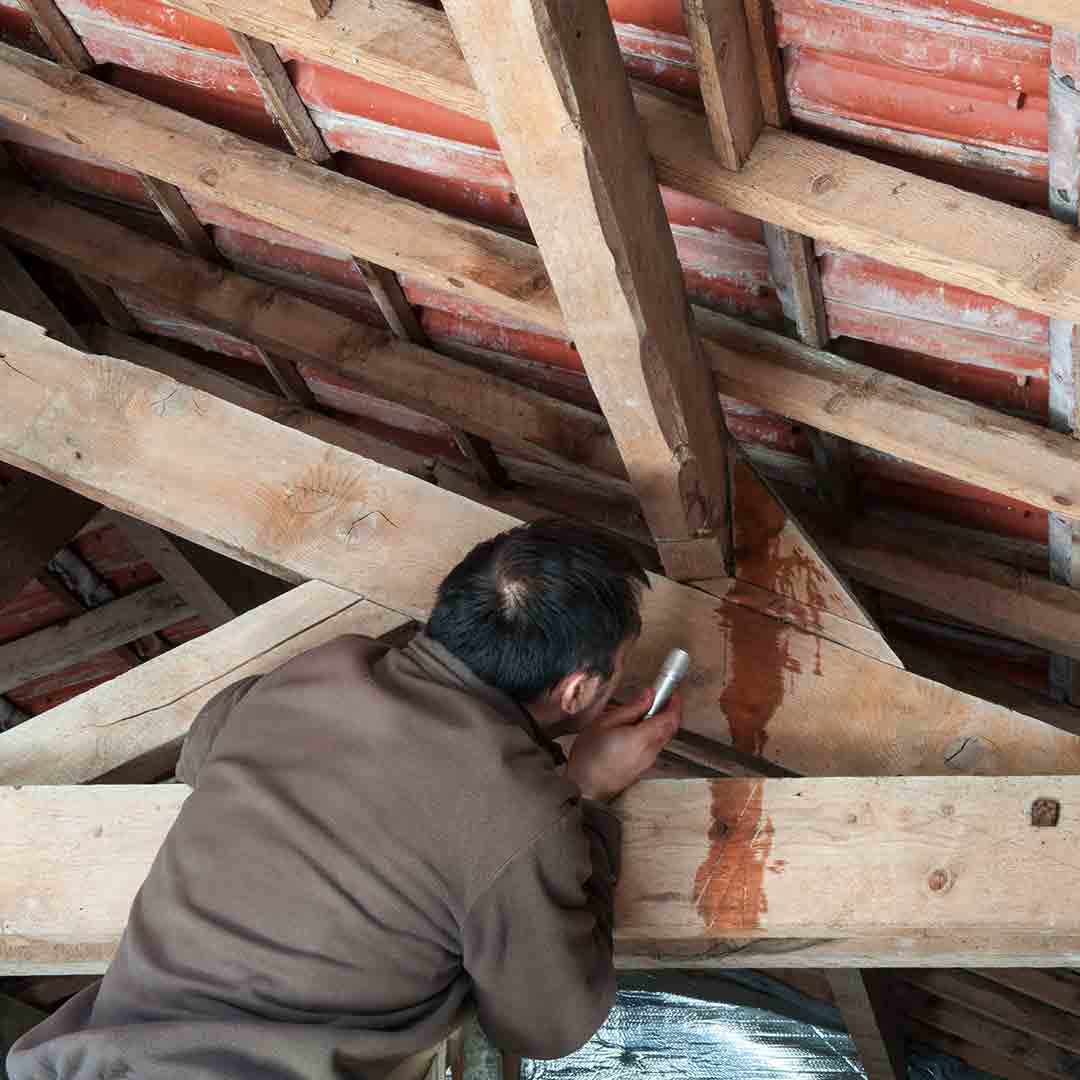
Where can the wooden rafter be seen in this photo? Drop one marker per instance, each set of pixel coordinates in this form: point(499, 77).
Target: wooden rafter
point(314, 506)
point(287, 108)
point(866, 1004)
point(820, 191)
point(725, 62)
point(561, 106)
point(106, 627)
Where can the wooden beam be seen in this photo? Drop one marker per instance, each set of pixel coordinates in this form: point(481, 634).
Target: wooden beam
point(281, 99)
point(117, 623)
point(37, 517)
point(84, 417)
point(866, 1003)
point(949, 436)
point(1002, 1005)
point(976, 1056)
point(152, 706)
point(285, 324)
point(761, 27)
point(1021, 1047)
point(1001, 598)
point(464, 259)
point(289, 381)
point(725, 61)
point(168, 561)
point(109, 306)
point(561, 107)
point(870, 407)
point(176, 211)
point(1059, 990)
point(820, 191)
point(58, 35)
point(334, 432)
point(695, 859)
point(287, 108)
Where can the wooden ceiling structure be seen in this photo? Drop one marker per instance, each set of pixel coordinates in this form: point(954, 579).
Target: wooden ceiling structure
point(280, 338)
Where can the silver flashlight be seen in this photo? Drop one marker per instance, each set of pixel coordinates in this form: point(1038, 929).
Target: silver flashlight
point(671, 674)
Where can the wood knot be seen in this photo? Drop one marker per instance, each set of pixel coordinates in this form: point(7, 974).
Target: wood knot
point(967, 753)
point(210, 177)
point(948, 810)
point(1045, 813)
point(939, 881)
point(718, 830)
point(822, 184)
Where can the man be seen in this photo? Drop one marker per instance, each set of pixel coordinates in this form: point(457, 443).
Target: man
point(379, 839)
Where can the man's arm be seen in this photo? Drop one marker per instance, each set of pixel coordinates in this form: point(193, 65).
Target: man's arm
point(537, 943)
point(206, 727)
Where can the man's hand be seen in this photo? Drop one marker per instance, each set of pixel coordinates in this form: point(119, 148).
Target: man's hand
point(612, 753)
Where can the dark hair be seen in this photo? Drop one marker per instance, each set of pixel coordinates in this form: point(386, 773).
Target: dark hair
point(535, 604)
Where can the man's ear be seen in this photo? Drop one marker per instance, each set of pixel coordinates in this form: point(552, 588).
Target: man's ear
point(576, 692)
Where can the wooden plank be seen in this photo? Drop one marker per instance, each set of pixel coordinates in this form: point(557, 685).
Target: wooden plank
point(113, 624)
point(562, 110)
point(1059, 990)
point(1018, 1046)
point(759, 683)
point(464, 259)
point(794, 270)
point(993, 595)
point(761, 26)
point(1002, 1005)
point(875, 409)
point(978, 1057)
point(290, 382)
point(176, 211)
point(63, 42)
point(152, 706)
point(285, 324)
point(168, 561)
point(74, 857)
point(282, 100)
point(819, 191)
point(865, 1001)
point(725, 61)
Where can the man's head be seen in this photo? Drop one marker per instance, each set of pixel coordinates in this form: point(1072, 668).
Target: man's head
point(547, 613)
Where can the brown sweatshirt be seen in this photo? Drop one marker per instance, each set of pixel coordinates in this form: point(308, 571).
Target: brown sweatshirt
point(376, 840)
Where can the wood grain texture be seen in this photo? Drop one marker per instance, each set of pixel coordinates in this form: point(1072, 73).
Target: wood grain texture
point(117, 623)
point(561, 107)
point(281, 323)
point(703, 861)
point(725, 62)
point(819, 191)
point(152, 706)
point(275, 187)
point(281, 99)
point(880, 857)
point(978, 1057)
point(764, 685)
point(870, 407)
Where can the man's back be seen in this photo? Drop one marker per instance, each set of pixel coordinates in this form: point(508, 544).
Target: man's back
point(375, 837)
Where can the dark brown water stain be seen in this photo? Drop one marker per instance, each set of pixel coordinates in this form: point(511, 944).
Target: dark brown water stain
point(757, 664)
point(760, 521)
point(729, 886)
